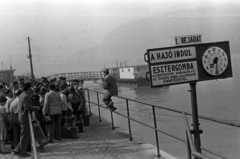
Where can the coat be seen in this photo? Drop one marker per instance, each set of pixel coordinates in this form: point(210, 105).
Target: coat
point(52, 103)
point(110, 85)
point(25, 104)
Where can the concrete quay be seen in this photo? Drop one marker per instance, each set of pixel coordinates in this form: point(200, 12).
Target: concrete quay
point(99, 142)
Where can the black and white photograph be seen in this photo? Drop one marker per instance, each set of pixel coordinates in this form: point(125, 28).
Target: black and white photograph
point(120, 79)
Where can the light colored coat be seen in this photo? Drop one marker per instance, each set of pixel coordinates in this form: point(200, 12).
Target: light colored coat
point(52, 103)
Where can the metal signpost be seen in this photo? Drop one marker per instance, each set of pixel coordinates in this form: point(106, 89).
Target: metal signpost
point(190, 63)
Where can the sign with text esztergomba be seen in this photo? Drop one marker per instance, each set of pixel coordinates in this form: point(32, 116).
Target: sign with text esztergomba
point(189, 63)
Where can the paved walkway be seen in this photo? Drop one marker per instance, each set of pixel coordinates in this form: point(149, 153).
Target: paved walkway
point(99, 142)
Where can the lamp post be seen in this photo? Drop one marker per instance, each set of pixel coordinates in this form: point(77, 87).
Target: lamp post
point(30, 57)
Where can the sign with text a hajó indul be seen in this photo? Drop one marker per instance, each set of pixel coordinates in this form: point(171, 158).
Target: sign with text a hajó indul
point(172, 65)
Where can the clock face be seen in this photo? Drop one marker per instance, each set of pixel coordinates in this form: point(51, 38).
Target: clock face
point(215, 61)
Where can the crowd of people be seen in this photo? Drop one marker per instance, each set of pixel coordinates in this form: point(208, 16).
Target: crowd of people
point(53, 101)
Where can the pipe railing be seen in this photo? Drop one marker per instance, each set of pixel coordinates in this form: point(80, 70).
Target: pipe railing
point(189, 141)
point(33, 143)
point(180, 112)
point(196, 154)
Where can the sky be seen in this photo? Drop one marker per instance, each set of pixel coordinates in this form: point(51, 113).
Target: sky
point(60, 28)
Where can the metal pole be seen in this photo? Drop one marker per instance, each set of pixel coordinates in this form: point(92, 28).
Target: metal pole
point(34, 150)
point(2, 65)
point(129, 124)
point(112, 121)
point(189, 152)
point(156, 132)
point(30, 57)
point(100, 120)
point(196, 124)
point(90, 112)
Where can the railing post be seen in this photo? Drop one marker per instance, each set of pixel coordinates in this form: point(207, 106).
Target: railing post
point(112, 121)
point(189, 152)
point(34, 150)
point(156, 133)
point(90, 112)
point(100, 120)
point(129, 124)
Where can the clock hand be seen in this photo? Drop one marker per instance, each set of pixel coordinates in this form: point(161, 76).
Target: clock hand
point(215, 61)
point(217, 69)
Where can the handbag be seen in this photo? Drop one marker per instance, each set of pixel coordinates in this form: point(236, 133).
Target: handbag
point(47, 118)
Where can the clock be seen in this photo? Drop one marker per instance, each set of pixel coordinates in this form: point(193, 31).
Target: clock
point(215, 61)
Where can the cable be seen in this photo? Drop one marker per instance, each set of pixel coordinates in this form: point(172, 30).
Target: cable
point(36, 18)
point(45, 19)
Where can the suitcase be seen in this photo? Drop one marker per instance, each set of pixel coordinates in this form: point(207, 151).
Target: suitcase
point(86, 119)
point(80, 127)
point(38, 133)
point(69, 119)
point(70, 132)
point(69, 122)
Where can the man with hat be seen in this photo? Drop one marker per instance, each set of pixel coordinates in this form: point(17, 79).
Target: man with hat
point(110, 85)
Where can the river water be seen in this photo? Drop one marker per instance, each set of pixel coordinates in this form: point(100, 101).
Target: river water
point(217, 99)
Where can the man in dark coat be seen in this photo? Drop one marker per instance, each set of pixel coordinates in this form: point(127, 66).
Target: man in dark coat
point(110, 85)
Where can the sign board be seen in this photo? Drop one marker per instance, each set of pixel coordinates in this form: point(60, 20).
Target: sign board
point(174, 54)
point(188, 39)
point(189, 63)
point(174, 73)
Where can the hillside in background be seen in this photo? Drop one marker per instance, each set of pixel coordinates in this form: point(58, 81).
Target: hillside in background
point(129, 42)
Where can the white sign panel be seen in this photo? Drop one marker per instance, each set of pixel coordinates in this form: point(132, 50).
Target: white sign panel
point(174, 73)
point(157, 56)
point(188, 39)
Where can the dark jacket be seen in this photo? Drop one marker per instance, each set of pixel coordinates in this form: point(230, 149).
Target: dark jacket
point(35, 99)
point(25, 106)
point(82, 93)
point(110, 85)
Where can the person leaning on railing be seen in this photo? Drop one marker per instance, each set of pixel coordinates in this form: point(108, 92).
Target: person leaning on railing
point(25, 105)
